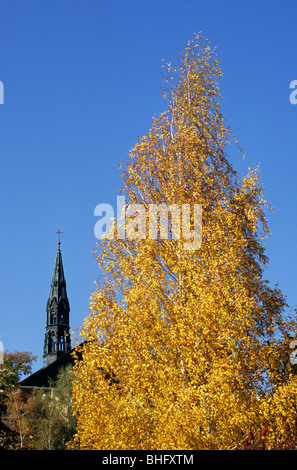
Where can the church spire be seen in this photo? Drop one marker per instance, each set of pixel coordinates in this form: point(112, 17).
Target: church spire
point(57, 338)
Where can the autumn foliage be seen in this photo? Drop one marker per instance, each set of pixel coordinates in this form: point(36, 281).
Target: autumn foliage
point(181, 349)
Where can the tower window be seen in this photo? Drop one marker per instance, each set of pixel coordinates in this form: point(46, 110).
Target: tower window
point(53, 315)
point(61, 343)
point(61, 317)
point(51, 342)
point(54, 343)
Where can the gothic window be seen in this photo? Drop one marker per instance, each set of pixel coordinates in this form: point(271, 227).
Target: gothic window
point(53, 342)
point(61, 343)
point(61, 317)
point(53, 315)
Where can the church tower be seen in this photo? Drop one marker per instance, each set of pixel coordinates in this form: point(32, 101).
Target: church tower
point(57, 337)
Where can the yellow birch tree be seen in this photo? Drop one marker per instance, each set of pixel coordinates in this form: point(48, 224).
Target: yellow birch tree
point(178, 348)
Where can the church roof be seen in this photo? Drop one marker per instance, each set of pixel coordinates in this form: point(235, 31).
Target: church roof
point(45, 376)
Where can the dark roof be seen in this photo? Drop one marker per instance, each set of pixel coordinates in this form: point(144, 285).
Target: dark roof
point(43, 377)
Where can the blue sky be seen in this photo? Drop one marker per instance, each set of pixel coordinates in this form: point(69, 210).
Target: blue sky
point(81, 82)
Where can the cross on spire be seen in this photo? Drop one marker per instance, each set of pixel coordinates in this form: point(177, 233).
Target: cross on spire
point(59, 233)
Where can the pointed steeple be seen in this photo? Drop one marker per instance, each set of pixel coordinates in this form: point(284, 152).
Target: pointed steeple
point(57, 338)
point(58, 292)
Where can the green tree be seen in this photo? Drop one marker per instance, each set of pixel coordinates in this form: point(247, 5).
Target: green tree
point(52, 418)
